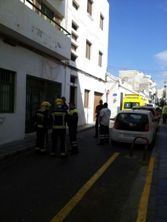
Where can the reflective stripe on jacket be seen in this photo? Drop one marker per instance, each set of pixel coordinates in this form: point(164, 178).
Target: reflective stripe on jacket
point(59, 119)
point(42, 118)
point(164, 109)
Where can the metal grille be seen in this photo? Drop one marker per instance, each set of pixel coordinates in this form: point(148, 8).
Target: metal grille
point(6, 91)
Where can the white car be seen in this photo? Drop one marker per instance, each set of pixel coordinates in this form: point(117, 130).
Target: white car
point(130, 124)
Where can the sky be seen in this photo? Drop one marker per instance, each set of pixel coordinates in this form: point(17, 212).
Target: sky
point(138, 37)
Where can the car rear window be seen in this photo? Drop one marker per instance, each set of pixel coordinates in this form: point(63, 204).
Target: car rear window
point(131, 121)
point(146, 108)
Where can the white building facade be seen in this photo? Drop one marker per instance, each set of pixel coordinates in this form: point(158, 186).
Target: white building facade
point(116, 89)
point(140, 82)
point(50, 49)
point(87, 22)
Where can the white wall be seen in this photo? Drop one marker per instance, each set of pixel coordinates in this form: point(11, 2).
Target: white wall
point(24, 24)
point(89, 30)
point(23, 62)
point(86, 114)
point(115, 88)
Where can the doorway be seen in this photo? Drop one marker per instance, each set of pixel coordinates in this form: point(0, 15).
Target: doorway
point(97, 98)
point(38, 90)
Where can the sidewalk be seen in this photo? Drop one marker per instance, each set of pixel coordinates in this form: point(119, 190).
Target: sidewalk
point(160, 151)
point(27, 144)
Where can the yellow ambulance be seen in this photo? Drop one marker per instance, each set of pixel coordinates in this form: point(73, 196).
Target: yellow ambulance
point(130, 100)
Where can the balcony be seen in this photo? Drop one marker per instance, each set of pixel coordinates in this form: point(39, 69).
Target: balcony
point(24, 26)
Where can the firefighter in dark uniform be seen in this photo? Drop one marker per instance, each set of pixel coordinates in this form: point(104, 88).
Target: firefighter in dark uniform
point(59, 121)
point(42, 121)
point(72, 124)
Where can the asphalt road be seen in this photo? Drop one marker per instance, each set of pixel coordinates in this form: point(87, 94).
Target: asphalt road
point(36, 187)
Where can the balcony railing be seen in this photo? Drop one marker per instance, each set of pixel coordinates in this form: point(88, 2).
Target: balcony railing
point(38, 10)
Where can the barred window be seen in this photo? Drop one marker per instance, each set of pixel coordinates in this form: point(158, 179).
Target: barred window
point(7, 79)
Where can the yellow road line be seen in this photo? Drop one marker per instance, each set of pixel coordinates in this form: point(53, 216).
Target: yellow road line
point(143, 205)
point(62, 214)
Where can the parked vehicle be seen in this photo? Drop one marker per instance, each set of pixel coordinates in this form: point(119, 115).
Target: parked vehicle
point(155, 113)
point(131, 100)
point(130, 124)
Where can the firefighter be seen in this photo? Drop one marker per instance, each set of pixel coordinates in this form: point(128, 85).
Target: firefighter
point(59, 121)
point(42, 121)
point(72, 124)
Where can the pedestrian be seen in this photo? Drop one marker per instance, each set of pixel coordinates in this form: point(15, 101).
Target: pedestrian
point(97, 111)
point(164, 113)
point(59, 121)
point(104, 121)
point(64, 106)
point(42, 123)
point(72, 124)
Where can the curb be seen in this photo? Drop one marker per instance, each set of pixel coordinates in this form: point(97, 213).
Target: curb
point(26, 145)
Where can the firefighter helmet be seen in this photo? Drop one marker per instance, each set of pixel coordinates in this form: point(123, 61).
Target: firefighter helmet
point(59, 102)
point(45, 104)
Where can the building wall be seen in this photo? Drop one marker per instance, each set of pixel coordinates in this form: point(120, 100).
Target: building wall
point(24, 62)
point(29, 58)
point(90, 75)
point(86, 115)
point(88, 29)
point(140, 82)
point(116, 89)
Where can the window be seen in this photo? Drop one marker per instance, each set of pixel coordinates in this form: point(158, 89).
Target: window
point(7, 79)
point(132, 122)
point(88, 49)
point(75, 4)
point(100, 58)
point(89, 6)
point(73, 57)
point(74, 36)
point(74, 26)
point(73, 79)
point(86, 98)
point(74, 47)
point(101, 21)
point(73, 89)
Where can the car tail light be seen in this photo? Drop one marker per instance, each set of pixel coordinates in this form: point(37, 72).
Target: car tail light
point(146, 127)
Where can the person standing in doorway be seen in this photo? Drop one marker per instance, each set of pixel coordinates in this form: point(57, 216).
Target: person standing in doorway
point(104, 121)
point(97, 112)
